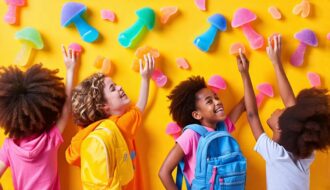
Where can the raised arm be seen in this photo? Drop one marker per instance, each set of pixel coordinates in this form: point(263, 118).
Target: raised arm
point(249, 97)
point(274, 54)
point(71, 59)
point(146, 72)
point(237, 111)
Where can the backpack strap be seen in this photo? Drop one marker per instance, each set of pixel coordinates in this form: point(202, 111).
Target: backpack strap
point(180, 176)
point(197, 128)
point(221, 126)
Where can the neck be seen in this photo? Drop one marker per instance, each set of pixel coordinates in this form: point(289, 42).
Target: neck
point(209, 124)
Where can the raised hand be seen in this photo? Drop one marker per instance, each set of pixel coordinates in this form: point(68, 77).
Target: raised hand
point(274, 49)
point(242, 63)
point(148, 67)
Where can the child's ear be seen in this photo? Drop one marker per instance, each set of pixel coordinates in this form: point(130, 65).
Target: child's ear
point(196, 115)
point(106, 108)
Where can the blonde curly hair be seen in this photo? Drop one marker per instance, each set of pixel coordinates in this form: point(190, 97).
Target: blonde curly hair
point(87, 100)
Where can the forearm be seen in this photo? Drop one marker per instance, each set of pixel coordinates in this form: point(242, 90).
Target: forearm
point(285, 88)
point(251, 107)
point(167, 180)
point(237, 111)
point(144, 93)
point(62, 122)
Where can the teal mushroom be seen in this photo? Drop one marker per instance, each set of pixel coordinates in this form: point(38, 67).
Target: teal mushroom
point(146, 20)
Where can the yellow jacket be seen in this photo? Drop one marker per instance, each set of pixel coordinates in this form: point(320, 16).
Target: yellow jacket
point(105, 159)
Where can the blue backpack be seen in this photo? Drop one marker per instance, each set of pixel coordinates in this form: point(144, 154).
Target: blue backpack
point(220, 162)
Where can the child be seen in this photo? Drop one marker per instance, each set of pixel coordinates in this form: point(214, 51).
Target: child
point(98, 99)
point(298, 130)
point(192, 102)
point(34, 110)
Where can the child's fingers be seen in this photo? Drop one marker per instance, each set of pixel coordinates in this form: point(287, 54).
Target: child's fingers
point(279, 41)
point(269, 42)
point(64, 51)
point(275, 44)
point(73, 57)
point(140, 63)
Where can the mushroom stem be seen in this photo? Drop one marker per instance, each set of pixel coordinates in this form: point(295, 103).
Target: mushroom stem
point(297, 58)
point(259, 98)
point(10, 16)
point(204, 41)
point(88, 33)
point(256, 40)
point(127, 37)
point(23, 55)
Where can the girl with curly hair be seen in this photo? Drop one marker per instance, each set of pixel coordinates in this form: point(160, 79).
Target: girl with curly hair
point(96, 102)
point(299, 129)
point(34, 110)
point(193, 102)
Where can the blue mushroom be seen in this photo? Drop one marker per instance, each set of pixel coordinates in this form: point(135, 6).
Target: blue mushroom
point(204, 41)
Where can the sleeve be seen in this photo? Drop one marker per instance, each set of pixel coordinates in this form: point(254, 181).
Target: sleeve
point(55, 136)
point(129, 122)
point(97, 165)
point(4, 153)
point(269, 149)
point(229, 125)
point(186, 141)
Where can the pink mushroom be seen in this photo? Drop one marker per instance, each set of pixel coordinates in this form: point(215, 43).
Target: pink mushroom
point(217, 83)
point(76, 47)
point(306, 38)
point(265, 89)
point(242, 18)
point(159, 78)
point(314, 79)
point(173, 129)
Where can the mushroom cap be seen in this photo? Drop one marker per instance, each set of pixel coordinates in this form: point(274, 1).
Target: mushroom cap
point(216, 82)
point(307, 36)
point(218, 21)
point(76, 47)
point(266, 89)
point(70, 11)
point(242, 16)
point(234, 48)
point(31, 36)
point(147, 16)
point(15, 2)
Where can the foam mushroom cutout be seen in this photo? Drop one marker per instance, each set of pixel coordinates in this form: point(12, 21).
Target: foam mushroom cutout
point(306, 38)
point(173, 129)
point(234, 49)
point(159, 78)
point(242, 18)
point(72, 14)
point(314, 79)
point(30, 39)
point(131, 36)
point(204, 41)
point(217, 83)
point(265, 90)
point(10, 16)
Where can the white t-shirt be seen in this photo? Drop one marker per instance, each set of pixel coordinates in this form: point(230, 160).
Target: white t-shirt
point(283, 172)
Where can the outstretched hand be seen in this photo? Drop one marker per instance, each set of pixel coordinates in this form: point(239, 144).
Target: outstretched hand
point(242, 63)
point(148, 67)
point(274, 51)
point(71, 58)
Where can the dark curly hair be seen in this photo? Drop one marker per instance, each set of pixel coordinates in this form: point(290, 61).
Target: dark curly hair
point(31, 101)
point(183, 100)
point(87, 100)
point(306, 125)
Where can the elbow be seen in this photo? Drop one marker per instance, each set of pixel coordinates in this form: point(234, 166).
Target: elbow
point(161, 174)
point(251, 115)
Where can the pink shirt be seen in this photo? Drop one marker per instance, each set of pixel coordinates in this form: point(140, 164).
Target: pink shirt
point(188, 141)
point(33, 160)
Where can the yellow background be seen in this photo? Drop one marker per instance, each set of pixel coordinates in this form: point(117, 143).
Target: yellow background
point(174, 40)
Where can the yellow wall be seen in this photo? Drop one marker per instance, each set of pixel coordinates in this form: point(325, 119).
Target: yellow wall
point(175, 40)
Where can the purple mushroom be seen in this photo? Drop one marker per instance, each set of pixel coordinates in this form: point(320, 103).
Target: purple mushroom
point(242, 18)
point(306, 37)
point(71, 13)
